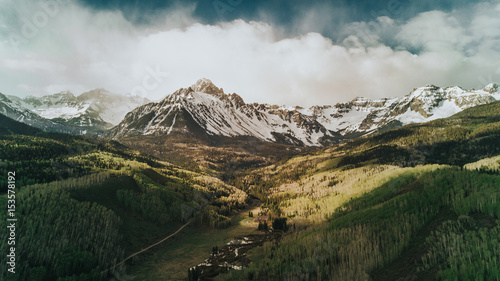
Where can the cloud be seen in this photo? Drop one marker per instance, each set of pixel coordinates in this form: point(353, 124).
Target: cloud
point(435, 31)
point(80, 49)
point(461, 47)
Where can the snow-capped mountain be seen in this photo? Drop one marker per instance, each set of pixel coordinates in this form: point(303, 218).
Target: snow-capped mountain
point(95, 110)
point(205, 108)
point(15, 111)
point(421, 105)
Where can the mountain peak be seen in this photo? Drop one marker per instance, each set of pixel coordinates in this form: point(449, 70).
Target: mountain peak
point(204, 85)
point(491, 88)
point(203, 81)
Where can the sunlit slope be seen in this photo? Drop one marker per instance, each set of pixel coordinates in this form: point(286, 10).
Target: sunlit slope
point(400, 204)
point(466, 137)
point(427, 223)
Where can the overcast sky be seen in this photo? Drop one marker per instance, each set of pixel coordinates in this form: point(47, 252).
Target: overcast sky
point(282, 52)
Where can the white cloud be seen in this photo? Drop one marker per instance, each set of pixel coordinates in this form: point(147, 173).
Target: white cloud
point(435, 31)
point(82, 50)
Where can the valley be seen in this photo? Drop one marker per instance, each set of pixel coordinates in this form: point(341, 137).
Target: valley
point(190, 249)
point(412, 202)
point(233, 140)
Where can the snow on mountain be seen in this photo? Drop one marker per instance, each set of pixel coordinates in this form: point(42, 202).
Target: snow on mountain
point(210, 110)
point(421, 105)
point(96, 109)
point(204, 108)
point(12, 107)
point(219, 114)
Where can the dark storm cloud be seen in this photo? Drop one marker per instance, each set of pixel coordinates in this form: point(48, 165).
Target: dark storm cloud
point(283, 12)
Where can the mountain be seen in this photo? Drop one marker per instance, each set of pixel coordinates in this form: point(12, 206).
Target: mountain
point(94, 110)
point(11, 126)
point(16, 111)
point(79, 180)
point(205, 109)
point(405, 204)
point(386, 206)
point(88, 113)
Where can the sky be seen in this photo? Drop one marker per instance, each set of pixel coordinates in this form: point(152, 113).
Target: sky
point(286, 52)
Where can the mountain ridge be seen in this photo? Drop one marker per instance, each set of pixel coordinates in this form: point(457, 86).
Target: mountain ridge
point(218, 113)
point(204, 110)
point(91, 112)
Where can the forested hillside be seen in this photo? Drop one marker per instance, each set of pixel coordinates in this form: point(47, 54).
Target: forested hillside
point(401, 204)
point(423, 223)
point(416, 203)
point(86, 203)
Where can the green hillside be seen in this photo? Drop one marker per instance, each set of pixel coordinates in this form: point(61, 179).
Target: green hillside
point(423, 223)
point(416, 203)
point(380, 208)
point(87, 203)
point(10, 126)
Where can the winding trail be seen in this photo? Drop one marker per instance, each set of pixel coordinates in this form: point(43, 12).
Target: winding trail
point(145, 249)
point(173, 263)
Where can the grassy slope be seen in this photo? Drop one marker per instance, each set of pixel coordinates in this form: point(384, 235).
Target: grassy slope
point(135, 230)
point(491, 164)
point(468, 136)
